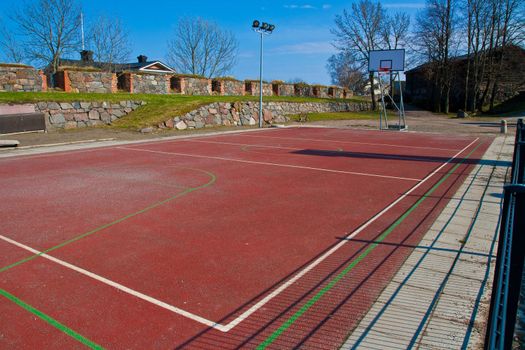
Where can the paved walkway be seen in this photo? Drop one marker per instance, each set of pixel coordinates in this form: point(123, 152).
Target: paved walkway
point(440, 298)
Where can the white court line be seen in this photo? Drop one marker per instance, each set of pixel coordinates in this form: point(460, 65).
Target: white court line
point(41, 152)
point(118, 286)
point(347, 239)
point(271, 164)
point(382, 156)
point(352, 142)
point(262, 302)
point(245, 144)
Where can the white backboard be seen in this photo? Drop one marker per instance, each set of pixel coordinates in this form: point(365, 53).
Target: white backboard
point(394, 60)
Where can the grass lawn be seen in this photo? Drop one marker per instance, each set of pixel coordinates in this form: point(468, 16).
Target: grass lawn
point(315, 117)
point(159, 108)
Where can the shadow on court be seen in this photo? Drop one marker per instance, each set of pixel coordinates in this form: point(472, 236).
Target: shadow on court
point(403, 157)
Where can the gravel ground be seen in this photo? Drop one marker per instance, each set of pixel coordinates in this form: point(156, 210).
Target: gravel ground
point(419, 121)
point(423, 121)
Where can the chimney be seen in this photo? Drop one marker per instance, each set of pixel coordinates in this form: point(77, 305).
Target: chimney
point(86, 56)
point(142, 59)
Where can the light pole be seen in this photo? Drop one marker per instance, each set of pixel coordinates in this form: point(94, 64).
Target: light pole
point(262, 29)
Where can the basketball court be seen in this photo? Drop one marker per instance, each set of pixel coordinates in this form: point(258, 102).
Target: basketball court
point(274, 238)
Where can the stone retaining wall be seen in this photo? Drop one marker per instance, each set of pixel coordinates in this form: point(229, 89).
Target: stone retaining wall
point(16, 77)
point(247, 113)
point(150, 83)
point(21, 78)
point(228, 87)
point(336, 92)
point(190, 85)
point(98, 82)
point(282, 89)
point(70, 115)
point(252, 88)
point(320, 91)
point(303, 90)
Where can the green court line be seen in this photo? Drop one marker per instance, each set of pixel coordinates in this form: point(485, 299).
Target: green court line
point(100, 228)
point(290, 321)
point(51, 321)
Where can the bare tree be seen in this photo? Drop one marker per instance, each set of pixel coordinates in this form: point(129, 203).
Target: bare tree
point(359, 31)
point(10, 48)
point(509, 25)
point(490, 26)
point(201, 47)
point(50, 29)
point(434, 37)
point(394, 30)
point(109, 41)
point(479, 27)
point(346, 71)
point(394, 34)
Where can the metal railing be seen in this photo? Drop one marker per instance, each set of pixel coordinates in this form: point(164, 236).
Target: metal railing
point(510, 258)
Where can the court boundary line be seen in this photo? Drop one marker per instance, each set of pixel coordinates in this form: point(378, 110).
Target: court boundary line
point(114, 284)
point(262, 302)
point(340, 150)
point(41, 152)
point(353, 142)
point(253, 132)
point(344, 241)
point(313, 300)
point(271, 164)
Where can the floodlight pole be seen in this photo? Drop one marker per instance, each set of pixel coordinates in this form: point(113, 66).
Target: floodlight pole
point(262, 29)
point(261, 85)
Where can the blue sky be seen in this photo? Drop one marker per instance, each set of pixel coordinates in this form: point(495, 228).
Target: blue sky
point(299, 47)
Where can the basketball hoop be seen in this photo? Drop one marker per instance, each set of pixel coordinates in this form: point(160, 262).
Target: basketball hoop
point(387, 66)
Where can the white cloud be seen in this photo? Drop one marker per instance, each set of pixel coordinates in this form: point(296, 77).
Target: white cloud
point(405, 5)
point(326, 6)
point(294, 7)
point(313, 47)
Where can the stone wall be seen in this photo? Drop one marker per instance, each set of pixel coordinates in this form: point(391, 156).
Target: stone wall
point(247, 113)
point(251, 87)
point(336, 92)
point(14, 77)
point(150, 83)
point(302, 90)
point(282, 89)
point(91, 82)
point(70, 115)
point(21, 78)
point(228, 87)
point(320, 91)
point(186, 85)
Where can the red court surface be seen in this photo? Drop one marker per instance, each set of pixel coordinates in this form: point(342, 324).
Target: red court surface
point(271, 238)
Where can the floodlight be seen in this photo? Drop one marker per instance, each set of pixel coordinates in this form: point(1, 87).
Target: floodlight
point(262, 29)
